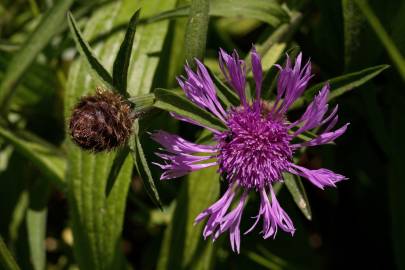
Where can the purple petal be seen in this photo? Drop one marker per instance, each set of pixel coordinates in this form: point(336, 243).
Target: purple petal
point(323, 138)
point(175, 144)
point(216, 212)
point(257, 75)
point(234, 71)
point(191, 121)
point(232, 221)
point(291, 83)
point(274, 216)
point(320, 178)
point(200, 89)
point(315, 111)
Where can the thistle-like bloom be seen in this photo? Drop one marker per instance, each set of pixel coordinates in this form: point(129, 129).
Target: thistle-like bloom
point(256, 148)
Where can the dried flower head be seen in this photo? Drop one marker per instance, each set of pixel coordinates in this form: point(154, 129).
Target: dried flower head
point(102, 121)
point(257, 147)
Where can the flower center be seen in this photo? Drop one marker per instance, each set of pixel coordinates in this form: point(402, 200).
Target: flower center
point(255, 150)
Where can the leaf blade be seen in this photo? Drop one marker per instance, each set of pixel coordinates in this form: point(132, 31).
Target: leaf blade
point(342, 84)
point(297, 191)
point(142, 166)
point(121, 63)
point(6, 259)
point(87, 53)
point(49, 25)
point(48, 159)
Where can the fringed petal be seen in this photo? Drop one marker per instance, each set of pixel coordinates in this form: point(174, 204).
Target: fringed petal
point(258, 76)
point(320, 178)
point(234, 70)
point(200, 89)
point(291, 84)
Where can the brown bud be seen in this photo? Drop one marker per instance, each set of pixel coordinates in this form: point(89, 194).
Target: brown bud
point(102, 121)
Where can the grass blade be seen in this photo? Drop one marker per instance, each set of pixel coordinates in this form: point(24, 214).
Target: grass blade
point(47, 158)
point(6, 259)
point(36, 222)
point(392, 50)
point(48, 27)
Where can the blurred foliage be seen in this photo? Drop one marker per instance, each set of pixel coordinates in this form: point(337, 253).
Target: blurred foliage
point(62, 208)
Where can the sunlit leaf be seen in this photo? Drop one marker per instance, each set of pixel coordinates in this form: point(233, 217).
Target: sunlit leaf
point(196, 31)
point(297, 191)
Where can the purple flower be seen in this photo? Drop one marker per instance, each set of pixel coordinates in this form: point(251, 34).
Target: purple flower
point(256, 148)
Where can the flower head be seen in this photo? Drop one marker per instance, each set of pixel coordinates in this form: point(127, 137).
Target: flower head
point(102, 121)
point(256, 148)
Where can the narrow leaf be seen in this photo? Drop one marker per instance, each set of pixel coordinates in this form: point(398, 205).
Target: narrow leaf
point(6, 259)
point(85, 50)
point(47, 158)
point(392, 50)
point(50, 24)
point(297, 191)
point(342, 84)
point(36, 222)
point(119, 160)
point(170, 101)
point(142, 166)
point(196, 32)
point(121, 63)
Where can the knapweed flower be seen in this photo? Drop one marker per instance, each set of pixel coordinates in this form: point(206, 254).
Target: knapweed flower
point(256, 148)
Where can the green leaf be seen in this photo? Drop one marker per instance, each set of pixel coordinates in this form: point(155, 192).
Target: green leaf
point(97, 220)
point(183, 244)
point(85, 50)
point(268, 11)
point(168, 100)
point(142, 166)
point(121, 63)
point(36, 222)
point(116, 168)
point(47, 158)
point(342, 84)
point(392, 50)
point(196, 32)
point(297, 191)
point(47, 28)
point(6, 259)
